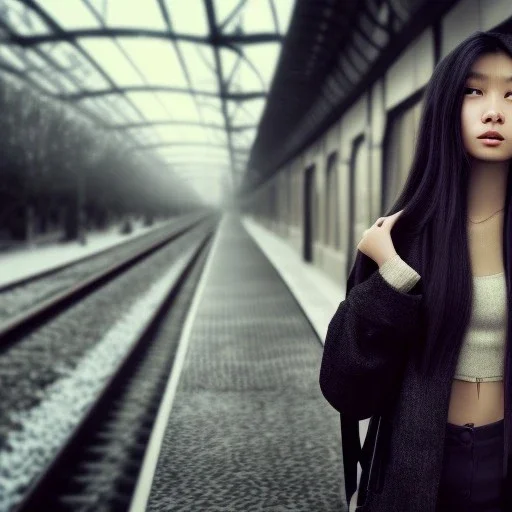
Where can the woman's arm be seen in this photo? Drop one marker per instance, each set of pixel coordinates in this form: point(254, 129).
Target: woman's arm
point(367, 341)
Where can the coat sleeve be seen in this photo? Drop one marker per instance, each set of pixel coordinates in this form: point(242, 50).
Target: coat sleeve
point(367, 343)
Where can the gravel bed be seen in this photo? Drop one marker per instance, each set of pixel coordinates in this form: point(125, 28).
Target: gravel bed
point(53, 351)
point(68, 361)
point(110, 485)
point(23, 297)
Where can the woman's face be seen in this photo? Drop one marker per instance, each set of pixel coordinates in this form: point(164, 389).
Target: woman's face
point(487, 105)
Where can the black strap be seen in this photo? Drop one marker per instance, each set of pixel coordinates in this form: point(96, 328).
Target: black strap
point(351, 447)
point(350, 442)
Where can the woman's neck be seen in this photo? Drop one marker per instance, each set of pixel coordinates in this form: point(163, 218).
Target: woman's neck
point(487, 188)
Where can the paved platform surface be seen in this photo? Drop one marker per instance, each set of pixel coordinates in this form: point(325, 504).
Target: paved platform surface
point(23, 262)
point(249, 428)
point(318, 295)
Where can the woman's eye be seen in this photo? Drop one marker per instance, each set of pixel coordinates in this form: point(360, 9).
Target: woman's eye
point(469, 90)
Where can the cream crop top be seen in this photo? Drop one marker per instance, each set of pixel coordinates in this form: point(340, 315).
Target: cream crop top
point(482, 355)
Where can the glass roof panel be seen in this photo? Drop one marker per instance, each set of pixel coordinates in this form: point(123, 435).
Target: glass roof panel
point(113, 116)
point(193, 152)
point(247, 78)
point(122, 80)
point(256, 16)
point(244, 138)
point(200, 62)
point(97, 107)
point(224, 8)
point(72, 63)
point(209, 183)
point(218, 137)
point(134, 13)
point(69, 14)
point(149, 106)
point(203, 166)
point(198, 168)
point(214, 154)
point(145, 135)
point(122, 109)
point(203, 169)
point(211, 110)
point(230, 60)
point(284, 10)
point(65, 83)
point(184, 133)
point(264, 57)
point(61, 55)
point(37, 62)
point(156, 59)
point(188, 16)
point(200, 163)
point(193, 118)
point(108, 55)
point(181, 106)
point(233, 108)
point(12, 57)
point(45, 82)
point(21, 19)
point(98, 6)
point(248, 112)
point(43, 73)
point(194, 148)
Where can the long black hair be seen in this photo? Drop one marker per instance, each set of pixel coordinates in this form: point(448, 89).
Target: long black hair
point(434, 200)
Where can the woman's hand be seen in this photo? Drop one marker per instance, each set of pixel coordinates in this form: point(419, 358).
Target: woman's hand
point(376, 242)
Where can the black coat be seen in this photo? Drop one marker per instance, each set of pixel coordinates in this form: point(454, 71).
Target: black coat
point(367, 371)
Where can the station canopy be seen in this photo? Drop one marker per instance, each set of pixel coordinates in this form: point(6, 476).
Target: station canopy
point(187, 79)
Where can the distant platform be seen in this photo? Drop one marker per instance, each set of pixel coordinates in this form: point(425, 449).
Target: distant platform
point(24, 262)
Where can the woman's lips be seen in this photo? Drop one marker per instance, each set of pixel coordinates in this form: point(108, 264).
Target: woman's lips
point(491, 142)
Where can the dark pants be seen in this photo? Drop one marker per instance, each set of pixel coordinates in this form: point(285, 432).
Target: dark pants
point(472, 476)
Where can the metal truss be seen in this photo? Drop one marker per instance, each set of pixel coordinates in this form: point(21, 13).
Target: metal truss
point(211, 126)
point(43, 46)
point(246, 96)
point(72, 35)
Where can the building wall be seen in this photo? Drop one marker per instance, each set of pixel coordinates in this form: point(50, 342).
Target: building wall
point(385, 112)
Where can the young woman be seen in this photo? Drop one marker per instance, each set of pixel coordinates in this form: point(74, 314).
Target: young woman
point(421, 342)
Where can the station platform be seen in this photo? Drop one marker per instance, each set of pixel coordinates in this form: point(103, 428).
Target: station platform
point(243, 425)
point(24, 262)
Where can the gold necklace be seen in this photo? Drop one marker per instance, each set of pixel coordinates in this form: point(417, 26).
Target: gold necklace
point(480, 221)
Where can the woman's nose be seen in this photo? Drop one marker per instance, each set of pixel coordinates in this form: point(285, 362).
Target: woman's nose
point(493, 116)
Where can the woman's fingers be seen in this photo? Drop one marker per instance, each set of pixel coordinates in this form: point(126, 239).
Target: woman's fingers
point(390, 222)
point(391, 219)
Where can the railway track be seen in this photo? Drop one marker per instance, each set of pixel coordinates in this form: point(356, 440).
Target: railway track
point(29, 301)
point(60, 467)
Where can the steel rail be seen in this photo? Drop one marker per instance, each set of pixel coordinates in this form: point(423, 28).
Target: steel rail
point(20, 325)
point(46, 485)
point(57, 268)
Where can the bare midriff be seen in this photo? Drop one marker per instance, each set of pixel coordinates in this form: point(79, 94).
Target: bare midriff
point(467, 405)
point(470, 402)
